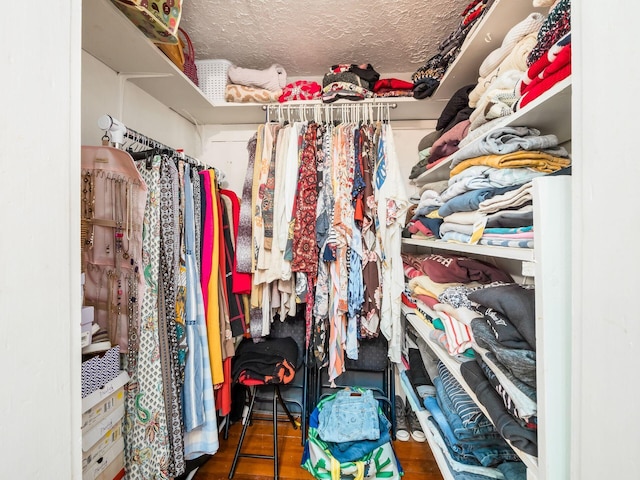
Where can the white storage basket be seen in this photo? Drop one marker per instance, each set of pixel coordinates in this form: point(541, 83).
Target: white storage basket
point(212, 76)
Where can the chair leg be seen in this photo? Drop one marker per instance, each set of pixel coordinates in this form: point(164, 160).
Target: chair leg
point(276, 396)
point(392, 399)
point(252, 394)
point(303, 414)
point(276, 393)
point(226, 426)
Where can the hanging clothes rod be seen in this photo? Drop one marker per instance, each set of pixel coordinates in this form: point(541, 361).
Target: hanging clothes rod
point(363, 104)
point(117, 133)
point(351, 111)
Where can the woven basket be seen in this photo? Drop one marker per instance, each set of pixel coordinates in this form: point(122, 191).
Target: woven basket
point(213, 78)
point(190, 69)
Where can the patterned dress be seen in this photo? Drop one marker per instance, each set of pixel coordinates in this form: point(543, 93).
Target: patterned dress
point(147, 448)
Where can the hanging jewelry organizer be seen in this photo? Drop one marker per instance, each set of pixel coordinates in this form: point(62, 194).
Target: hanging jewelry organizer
point(113, 198)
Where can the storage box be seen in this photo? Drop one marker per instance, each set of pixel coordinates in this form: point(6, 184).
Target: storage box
point(101, 446)
point(86, 323)
point(108, 465)
point(100, 370)
point(104, 391)
point(94, 434)
point(92, 416)
point(213, 79)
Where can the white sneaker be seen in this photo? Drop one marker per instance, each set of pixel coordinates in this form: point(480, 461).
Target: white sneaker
point(402, 430)
point(414, 426)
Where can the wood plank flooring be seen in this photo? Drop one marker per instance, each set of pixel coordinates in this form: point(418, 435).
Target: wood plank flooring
point(416, 458)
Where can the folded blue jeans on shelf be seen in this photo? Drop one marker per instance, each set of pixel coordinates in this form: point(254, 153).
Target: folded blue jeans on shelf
point(351, 416)
point(488, 452)
point(483, 429)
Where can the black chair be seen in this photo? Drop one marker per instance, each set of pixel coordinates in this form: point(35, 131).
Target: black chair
point(262, 367)
point(372, 370)
point(294, 392)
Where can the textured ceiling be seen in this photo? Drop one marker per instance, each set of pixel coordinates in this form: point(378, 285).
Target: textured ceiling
point(306, 38)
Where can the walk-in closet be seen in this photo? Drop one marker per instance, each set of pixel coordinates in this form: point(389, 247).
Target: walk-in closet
point(393, 209)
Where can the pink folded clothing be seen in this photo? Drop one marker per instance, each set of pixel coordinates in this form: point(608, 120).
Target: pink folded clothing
point(300, 90)
point(507, 236)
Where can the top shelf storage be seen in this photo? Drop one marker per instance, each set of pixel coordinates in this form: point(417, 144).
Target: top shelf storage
point(481, 41)
point(109, 36)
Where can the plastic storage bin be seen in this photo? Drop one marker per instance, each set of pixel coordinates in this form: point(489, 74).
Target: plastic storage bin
point(212, 75)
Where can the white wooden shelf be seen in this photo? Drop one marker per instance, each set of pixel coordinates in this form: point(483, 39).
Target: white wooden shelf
point(438, 454)
point(513, 253)
point(454, 367)
point(549, 113)
point(109, 36)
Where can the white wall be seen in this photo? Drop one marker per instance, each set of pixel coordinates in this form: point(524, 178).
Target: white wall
point(39, 246)
point(104, 91)
point(606, 175)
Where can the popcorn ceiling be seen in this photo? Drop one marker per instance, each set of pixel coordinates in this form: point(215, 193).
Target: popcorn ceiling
point(308, 37)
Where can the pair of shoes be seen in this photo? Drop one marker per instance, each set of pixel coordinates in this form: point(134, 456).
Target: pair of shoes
point(414, 425)
point(402, 428)
point(407, 423)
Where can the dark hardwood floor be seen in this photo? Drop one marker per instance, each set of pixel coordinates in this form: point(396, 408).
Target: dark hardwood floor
point(416, 458)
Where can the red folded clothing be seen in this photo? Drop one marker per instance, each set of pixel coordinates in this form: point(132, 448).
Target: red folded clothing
point(545, 73)
point(388, 84)
point(300, 90)
point(557, 57)
point(538, 87)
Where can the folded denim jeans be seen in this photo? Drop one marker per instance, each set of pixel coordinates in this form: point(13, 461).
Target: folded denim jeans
point(352, 451)
point(487, 452)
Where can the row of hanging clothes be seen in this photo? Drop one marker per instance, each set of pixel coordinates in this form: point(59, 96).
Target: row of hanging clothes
point(158, 241)
point(323, 207)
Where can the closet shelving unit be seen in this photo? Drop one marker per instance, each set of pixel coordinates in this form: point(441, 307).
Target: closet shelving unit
point(548, 265)
point(109, 36)
point(551, 272)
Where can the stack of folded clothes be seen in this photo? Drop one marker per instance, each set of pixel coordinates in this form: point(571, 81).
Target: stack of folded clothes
point(427, 78)
point(534, 55)
point(349, 81)
point(255, 86)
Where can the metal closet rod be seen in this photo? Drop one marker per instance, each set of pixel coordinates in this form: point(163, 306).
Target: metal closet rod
point(358, 110)
point(117, 132)
point(364, 104)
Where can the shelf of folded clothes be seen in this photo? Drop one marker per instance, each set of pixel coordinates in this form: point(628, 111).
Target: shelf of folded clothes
point(549, 113)
point(453, 365)
point(481, 30)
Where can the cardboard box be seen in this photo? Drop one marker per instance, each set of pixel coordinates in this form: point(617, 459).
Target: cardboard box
point(107, 466)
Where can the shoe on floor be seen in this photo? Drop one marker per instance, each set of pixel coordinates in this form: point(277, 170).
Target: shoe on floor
point(402, 428)
point(414, 425)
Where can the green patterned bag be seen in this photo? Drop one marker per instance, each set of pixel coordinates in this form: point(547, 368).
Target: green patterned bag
point(317, 459)
point(157, 19)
